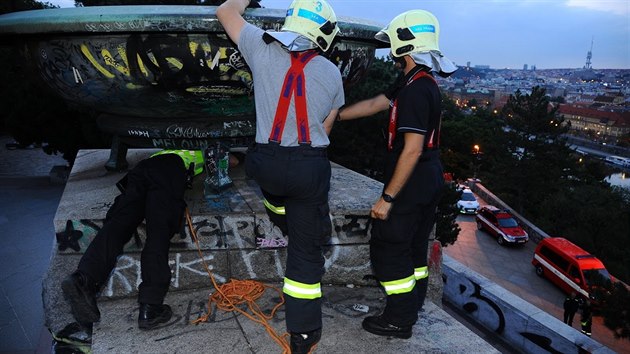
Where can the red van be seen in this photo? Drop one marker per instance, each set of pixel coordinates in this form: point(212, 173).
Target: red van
point(570, 268)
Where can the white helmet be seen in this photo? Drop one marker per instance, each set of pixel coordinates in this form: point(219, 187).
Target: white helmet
point(416, 33)
point(313, 19)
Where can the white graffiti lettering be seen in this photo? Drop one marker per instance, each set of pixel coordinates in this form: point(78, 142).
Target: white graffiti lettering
point(142, 133)
point(234, 233)
point(176, 131)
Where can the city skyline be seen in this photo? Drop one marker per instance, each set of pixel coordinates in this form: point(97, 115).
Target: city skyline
point(547, 34)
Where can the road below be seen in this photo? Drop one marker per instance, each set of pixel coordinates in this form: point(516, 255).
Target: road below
point(511, 268)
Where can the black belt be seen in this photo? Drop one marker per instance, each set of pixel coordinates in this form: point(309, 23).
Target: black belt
point(277, 150)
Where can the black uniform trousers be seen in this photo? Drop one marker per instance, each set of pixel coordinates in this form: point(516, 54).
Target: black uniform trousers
point(155, 192)
point(399, 245)
point(298, 178)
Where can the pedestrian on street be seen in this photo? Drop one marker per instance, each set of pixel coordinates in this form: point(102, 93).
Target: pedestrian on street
point(404, 215)
point(571, 305)
point(297, 94)
point(586, 319)
point(151, 191)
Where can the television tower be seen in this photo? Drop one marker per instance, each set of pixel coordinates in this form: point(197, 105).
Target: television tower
point(589, 55)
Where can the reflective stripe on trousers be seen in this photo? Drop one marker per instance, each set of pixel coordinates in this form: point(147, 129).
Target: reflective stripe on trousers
point(300, 290)
point(399, 286)
point(421, 272)
point(280, 210)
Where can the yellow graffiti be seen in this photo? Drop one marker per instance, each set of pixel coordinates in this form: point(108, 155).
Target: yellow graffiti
point(121, 64)
point(122, 51)
point(193, 47)
point(175, 62)
point(97, 66)
point(141, 65)
point(244, 75)
point(133, 86)
point(109, 60)
point(205, 46)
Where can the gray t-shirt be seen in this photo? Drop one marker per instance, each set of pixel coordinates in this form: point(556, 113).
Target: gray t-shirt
point(269, 64)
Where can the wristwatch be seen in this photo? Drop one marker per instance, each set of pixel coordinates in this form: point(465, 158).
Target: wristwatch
point(388, 198)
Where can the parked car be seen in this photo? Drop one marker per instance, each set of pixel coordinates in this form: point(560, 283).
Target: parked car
point(501, 224)
point(571, 268)
point(467, 203)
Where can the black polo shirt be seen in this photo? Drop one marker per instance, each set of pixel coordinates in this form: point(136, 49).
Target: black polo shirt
point(419, 111)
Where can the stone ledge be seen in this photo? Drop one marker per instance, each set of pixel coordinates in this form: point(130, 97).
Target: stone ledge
point(516, 321)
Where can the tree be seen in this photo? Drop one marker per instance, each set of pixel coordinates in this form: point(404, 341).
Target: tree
point(532, 143)
point(23, 5)
point(461, 132)
point(617, 312)
point(446, 227)
point(531, 117)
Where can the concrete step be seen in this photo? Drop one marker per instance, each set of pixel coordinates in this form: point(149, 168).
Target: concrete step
point(237, 241)
point(435, 331)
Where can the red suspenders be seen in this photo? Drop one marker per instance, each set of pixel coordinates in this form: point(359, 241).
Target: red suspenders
point(393, 114)
point(294, 84)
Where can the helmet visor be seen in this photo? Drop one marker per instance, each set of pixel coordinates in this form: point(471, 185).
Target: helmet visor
point(382, 35)
point(284, 37)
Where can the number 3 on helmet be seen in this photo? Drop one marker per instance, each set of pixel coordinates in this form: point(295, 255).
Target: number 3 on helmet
point(315, 20)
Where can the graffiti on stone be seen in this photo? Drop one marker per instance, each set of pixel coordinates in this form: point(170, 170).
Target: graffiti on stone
point(245, 234)
point(353, 225)
point(138, 133)
point(126, 277)
point(142, 73)
point(276, 242)
point(69, 238)
point(475, 300)
point(469, 295)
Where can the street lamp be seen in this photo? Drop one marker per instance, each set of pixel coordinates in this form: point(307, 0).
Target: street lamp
point(476, 160)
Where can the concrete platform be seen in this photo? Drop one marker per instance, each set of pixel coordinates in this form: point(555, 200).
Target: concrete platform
point(435, 332)
point(236, 239)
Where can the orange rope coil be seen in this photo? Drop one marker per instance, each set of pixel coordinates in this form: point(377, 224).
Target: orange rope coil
point(236, 292)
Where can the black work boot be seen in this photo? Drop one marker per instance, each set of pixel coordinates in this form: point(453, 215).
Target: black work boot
point(379, 325)
point(152, 315)
point(304, 343)
point(80, 291)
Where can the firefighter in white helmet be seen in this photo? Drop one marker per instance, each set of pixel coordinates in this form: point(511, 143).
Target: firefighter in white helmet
point(289, 160)
point(404, 215)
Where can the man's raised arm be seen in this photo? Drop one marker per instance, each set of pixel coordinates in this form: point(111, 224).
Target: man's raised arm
point(230, 14)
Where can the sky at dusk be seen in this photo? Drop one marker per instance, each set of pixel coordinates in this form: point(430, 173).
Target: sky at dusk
point(509, 33)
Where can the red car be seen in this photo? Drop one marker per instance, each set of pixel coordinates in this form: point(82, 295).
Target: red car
point(501, 224)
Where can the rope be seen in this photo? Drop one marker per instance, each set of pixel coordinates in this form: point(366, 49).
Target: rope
point(236, 292)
